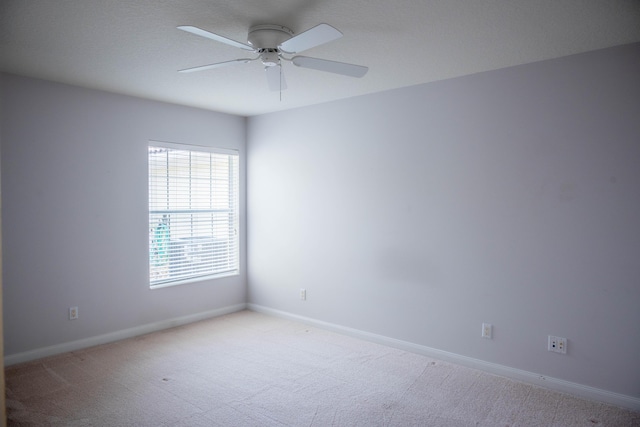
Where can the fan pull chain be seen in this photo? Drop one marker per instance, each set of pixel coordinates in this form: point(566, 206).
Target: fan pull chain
point(280, 82)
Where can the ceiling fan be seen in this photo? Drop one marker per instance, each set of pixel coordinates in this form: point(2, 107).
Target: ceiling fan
point(273, 44)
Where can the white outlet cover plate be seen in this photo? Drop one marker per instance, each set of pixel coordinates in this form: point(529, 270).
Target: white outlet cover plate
point(557, 344)
point(487, 330)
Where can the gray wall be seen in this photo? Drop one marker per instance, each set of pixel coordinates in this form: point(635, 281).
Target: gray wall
point(74, 211)
point(510, 197)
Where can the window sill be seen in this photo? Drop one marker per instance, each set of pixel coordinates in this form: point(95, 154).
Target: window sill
point(194, 280)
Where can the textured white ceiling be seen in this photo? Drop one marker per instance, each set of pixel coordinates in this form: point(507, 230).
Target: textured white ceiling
point(133, 47)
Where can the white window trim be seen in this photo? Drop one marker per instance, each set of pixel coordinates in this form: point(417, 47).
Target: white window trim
point(214, 150)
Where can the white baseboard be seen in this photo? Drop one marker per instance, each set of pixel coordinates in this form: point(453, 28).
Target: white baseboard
point(39, 353)
point(557, 384)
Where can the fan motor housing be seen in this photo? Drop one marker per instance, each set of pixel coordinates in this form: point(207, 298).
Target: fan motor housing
point(268, 36)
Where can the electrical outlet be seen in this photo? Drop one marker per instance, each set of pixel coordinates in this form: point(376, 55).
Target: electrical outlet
point(303, 294)
point(486, 330)
point(73, 313)
point(557, 344)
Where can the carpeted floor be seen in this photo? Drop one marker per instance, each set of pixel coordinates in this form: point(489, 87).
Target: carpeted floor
point(249, 369)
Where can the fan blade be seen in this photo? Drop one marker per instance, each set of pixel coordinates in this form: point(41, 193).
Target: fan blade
point(320, 34)
point(275, 78)
point(217, 65)
point(202, 33)
point(330, 66)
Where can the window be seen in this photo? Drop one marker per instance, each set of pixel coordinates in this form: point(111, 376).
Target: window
point(193, 213)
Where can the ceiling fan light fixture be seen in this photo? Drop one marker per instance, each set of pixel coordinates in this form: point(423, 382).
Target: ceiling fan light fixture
point(270, 57)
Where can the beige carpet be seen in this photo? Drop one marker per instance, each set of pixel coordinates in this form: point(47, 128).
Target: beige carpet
point(248, 369)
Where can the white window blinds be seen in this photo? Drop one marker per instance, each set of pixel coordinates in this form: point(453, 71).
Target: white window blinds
point(193, 213)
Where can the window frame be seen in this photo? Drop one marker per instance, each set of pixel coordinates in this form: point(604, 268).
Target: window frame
point(233, 187)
